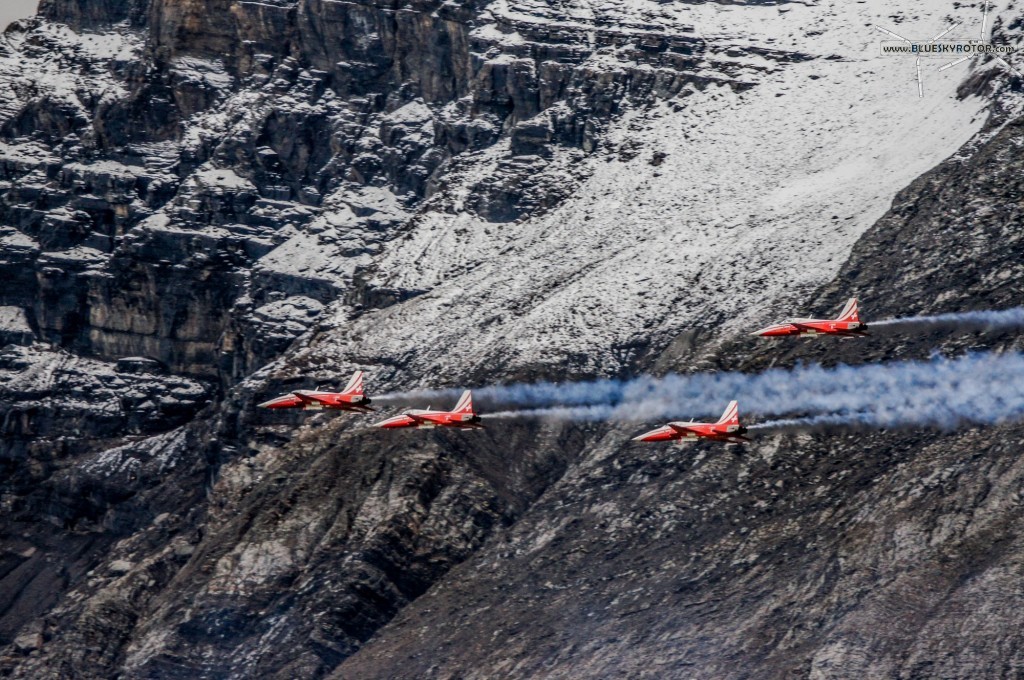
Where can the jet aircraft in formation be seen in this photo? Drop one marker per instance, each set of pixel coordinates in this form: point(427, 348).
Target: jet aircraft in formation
point(351, 398)
point(727, 429)
point(463, 417)
point(848, 325)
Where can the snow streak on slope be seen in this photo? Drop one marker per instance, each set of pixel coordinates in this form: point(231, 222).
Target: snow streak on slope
point(33, 68)
point(759, 199)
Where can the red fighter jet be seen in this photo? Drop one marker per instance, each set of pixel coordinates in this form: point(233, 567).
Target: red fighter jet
point(727, 429)
point(349, 399)
point(848, 325)
point(462, 417)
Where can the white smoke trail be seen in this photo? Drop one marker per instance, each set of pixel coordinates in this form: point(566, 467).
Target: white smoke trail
point(977, 388)
point(1006, 319)
point(604, 392)
point(528, 395)
point(813, 423)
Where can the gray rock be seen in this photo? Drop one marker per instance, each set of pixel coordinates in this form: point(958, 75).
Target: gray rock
point(120, 567)
point(213, 198)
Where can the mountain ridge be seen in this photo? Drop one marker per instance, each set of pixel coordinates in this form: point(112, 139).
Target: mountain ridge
point(276, 194)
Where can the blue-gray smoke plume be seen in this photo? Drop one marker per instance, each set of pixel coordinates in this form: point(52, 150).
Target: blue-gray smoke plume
point(1005, 319)
point(826, 421)
point(604, 392)
point(524, 395)
point(978, 388)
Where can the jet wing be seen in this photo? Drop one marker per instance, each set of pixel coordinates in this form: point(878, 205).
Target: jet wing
point(344, 404)
point(682, 429)
point(397, 421)
point(420, 416)
point(775, 328)
point(312, 398)
point(286, 401)
point(656, 431)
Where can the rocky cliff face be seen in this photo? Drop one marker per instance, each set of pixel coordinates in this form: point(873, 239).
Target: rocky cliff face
point(205, 204)
point(836, 555)
point(178, 155)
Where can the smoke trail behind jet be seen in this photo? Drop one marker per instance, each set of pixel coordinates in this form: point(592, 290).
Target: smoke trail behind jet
point(818, 423)
point(526, 395)
point(977, 388)
point(1006, 319)
point(604, 392)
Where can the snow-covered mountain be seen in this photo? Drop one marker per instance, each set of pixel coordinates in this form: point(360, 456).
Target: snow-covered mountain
point(709, 207)
point(206, 203)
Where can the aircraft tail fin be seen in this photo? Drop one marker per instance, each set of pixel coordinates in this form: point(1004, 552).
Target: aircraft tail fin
point(731, 415)
point(465, 404)
point(355, 385)
point(850, 312)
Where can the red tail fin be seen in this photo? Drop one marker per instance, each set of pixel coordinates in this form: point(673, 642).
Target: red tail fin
point(465, 404)
point(731, 415)
point(355, 385)
point(849, 312)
